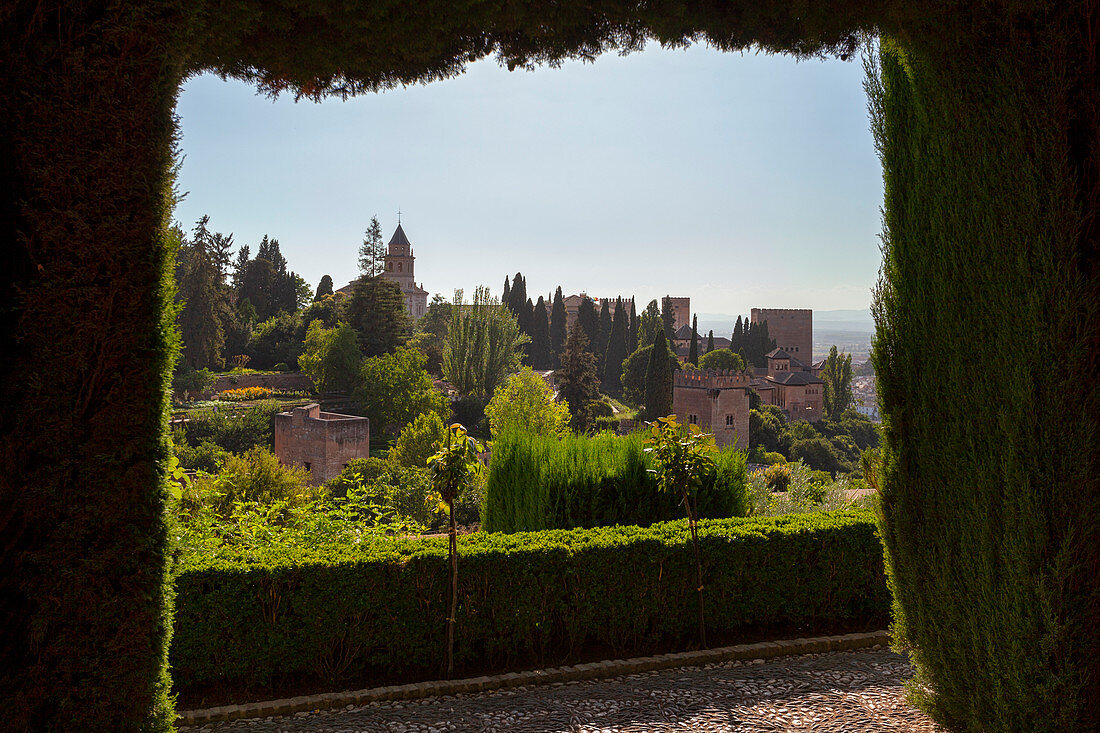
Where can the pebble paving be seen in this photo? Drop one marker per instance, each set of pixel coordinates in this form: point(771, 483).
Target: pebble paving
point(838, 692)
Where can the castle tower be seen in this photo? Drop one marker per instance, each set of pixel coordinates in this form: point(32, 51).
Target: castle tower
point(792, 329)
point(399, 268)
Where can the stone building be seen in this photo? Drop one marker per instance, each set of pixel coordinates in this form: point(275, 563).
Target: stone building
point(791, 386)
point(681, 311)
point(399, 268)
point(792, 329)
point(717, 400)
point(322, 442)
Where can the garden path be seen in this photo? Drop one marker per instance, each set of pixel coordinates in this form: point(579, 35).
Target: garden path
point(837, 692)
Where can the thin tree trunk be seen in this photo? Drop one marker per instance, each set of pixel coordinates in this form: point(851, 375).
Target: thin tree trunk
point(454, 592)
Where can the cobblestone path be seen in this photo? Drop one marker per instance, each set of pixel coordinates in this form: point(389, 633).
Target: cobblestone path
point(849, 692)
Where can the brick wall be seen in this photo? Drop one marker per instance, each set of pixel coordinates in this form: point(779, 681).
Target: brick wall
point(323, 442)
point(715, 400)
point(792, 329)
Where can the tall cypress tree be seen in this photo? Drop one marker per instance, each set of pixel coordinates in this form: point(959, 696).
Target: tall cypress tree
point(540, 336)
point(603, 334)
point(589, 320)
point(693, 350)
point(507, 297)
point(710, 341)
point(632, 332)
point(616, 351)
point(557, 327)
point(658, 380)
point(668, 318)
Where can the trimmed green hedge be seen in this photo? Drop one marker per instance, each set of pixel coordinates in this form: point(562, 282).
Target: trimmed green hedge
point(540, 482)
point(526, 598)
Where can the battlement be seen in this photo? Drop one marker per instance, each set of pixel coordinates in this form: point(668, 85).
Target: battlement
point(711, 379)
point(756, 311)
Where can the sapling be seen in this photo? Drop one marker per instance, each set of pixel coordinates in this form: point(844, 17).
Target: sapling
point(683, 465)
point(453, 468)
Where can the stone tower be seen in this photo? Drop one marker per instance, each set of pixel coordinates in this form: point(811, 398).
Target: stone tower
point(399, 268)
point(792, 329)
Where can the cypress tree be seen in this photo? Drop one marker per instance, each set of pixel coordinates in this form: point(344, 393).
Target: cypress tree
point(658, 380)
point(589, 320)
point(693, 350)
point(323, 288)
point(632, 333)
point(604, 333)
point(507, 297)
point(668, 318)
point(616, 351)
point(540, 336)
point(557, 327)
point(578, 381)
point(710, 341)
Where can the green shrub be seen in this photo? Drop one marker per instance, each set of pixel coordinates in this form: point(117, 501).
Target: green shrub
point(417, 441)
point(537, 482)
point(206, 456)
point(254, 618)
point(234, 429)
point(256, 476)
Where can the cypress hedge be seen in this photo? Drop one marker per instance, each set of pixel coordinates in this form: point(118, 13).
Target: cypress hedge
point(546, 482)
point(251, 619)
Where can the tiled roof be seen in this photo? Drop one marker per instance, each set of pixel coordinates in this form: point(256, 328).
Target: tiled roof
point(778, 354)
point(683, 333)
point(794, 379)
point(399, 238)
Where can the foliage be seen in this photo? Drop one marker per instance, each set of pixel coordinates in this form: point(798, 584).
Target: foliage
point(634, 370)
point(658, 380)
point(431, 333)
point(577, 379)
point(589, 320)
point(255, 476)
point(324, 309)
point(394, 388)
point(234, 429)
point(795, 488)
point(482, 345)
point(331, 357)
point(837, 375)
point(418, 441)
point(526, 402)
point(377, 312)
point(206, 456)
point(402, 494)
point(266, 283)
point(204, 296)
point(190, 382)
point(617, 351)
point(778, 477)
point(693, 347)
point(324, 287)
point(558, 320)
point(524, 599)
point(545, 482)
point(752, 342)
point(649, 323)
point(721, 359)
point(243, 394)
point(540, 336)
point(276, 340)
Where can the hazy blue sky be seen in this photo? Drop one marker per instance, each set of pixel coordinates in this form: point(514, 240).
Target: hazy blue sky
point(737, 180)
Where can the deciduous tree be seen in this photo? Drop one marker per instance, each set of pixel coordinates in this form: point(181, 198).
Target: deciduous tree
point(525, 402)
point(394, 388)
point(837, 375)
point(482, 345)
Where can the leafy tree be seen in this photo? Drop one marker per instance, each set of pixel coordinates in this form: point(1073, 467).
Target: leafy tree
point(482, 345)
point(394, 388)
point(418, 441)
point(376, 310)
point(721, 359)
point(540, 336)
point(837, 375)
point(693, 349)
point(616, 351)
point(278, 340)
point(577, 378)
point(710, 341)
point(266, 282)
point(331, 357)
point(324, 287)
point(557, 327)
point(372, 252)
point(453, 469)
point(603, 334)
point(683, 466)
point(525, 402)
point(431, 332)
point(648, 324)
point(658, 380)
point(324, 310)
point(589, 320)
point(634, 371)
point(189, 381)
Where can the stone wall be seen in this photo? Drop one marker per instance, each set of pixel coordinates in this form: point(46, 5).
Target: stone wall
point(717, 400)
point(323, 442)
point(792, 329)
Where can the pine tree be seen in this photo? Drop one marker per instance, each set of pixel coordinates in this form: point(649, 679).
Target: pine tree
point(540, 336)
point(589, 320)
point(693, 350)
point(658, 380)
point(577, 379)
point(710, 341)
point(603, 334)
point(204, 300)
point(372, 252)
point(616, 351)
point(557, 327)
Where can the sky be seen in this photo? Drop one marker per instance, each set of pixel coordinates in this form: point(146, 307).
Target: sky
point(738, 180)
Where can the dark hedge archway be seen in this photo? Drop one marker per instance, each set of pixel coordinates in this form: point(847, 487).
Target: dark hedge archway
point(989, 313)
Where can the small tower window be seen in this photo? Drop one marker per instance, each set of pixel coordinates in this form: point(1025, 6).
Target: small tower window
point(729, 421)
point(399, 267)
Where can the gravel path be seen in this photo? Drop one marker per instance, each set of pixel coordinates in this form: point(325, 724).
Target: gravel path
point(849, 692)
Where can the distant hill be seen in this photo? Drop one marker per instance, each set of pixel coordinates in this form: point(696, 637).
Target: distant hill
point(855, 321)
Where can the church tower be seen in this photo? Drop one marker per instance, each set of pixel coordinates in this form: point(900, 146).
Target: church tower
point(399, 268)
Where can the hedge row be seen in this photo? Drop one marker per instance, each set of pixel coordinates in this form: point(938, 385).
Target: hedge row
point(526, 598)
point(545, 482)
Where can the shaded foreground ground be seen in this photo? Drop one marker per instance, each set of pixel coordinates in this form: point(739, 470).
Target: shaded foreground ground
point(833, 692)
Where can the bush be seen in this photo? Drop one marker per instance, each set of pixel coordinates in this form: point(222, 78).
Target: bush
point(401, 493)
point(236, 429)
point(777, 477)
point(417, 441)
point(253, 477)
point(243, 394)
point(207, 456)
point(281, 367)
point(539, 482)
point(773, 459)
point(263, 617)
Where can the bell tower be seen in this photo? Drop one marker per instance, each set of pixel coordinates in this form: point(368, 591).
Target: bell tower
point(399, 260)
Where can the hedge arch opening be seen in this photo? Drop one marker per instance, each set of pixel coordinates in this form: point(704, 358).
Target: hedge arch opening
point(988, 344)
